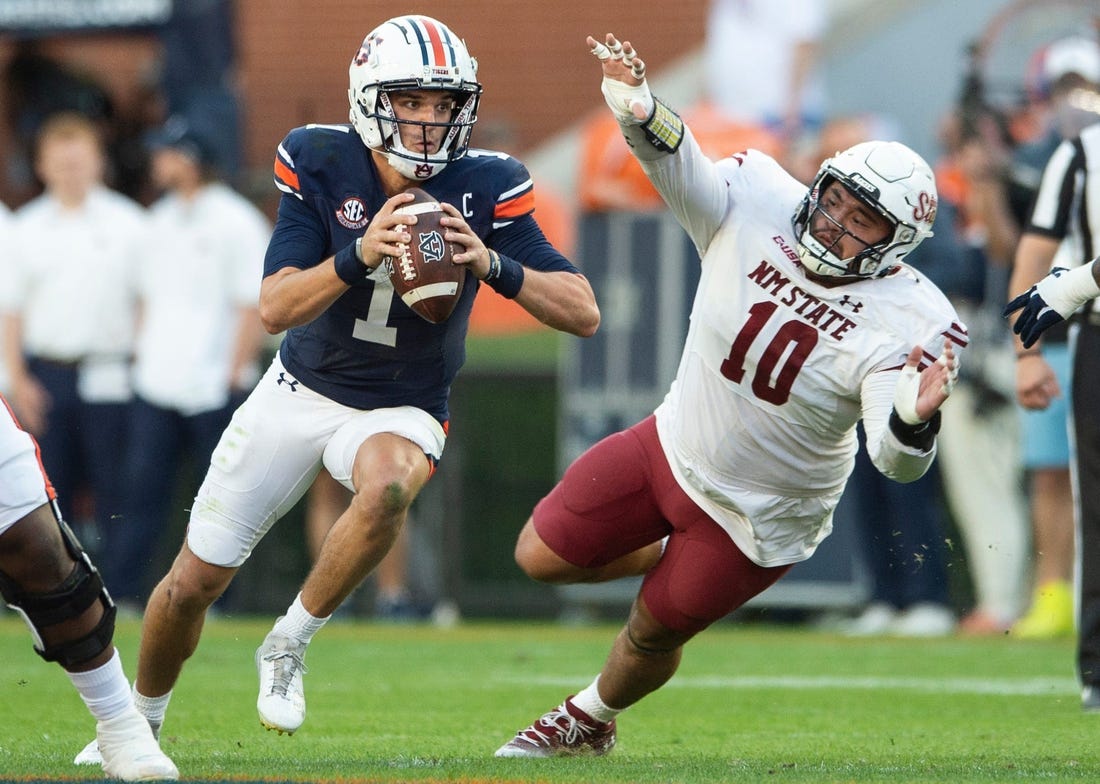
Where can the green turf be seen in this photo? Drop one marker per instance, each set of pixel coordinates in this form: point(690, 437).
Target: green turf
point(537, 350)
point(750, 704)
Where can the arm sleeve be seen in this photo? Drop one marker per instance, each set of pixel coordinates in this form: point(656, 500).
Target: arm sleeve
point(891, 457)
point(301, 237)
point(690, 183)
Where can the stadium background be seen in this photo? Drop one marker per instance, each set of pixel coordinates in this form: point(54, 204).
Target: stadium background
point(540, 90)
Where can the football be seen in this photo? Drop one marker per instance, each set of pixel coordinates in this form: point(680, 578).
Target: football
point(424, 277)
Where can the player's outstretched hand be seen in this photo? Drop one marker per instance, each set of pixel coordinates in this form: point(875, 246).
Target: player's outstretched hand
point(619, 60)
point(1051, 300)
point(920, 393)
point(624, 85)
point(1036, 315)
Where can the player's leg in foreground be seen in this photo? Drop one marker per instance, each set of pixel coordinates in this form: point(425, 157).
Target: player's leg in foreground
point(647, 651)
point(387, 474)
point(643, 657)
point(170, 633)
point(49, 580)
point(606, 517)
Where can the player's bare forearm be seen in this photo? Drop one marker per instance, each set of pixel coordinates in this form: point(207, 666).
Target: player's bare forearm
point(292, 296)
point(562, 300)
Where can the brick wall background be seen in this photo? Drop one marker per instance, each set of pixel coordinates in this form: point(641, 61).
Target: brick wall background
point(293, 57)
point(532, 57)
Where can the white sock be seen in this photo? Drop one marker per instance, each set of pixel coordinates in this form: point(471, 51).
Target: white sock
point(298, 623)
point(589, 701)
point(104, 690)
point(152, 708)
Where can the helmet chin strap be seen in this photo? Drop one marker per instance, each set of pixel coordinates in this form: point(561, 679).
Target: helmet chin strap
point(819, 265)
point(412, 170)
point(407, 163)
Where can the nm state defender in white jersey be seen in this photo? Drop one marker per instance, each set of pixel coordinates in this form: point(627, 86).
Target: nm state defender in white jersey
point(805, 321)
point(361, 382)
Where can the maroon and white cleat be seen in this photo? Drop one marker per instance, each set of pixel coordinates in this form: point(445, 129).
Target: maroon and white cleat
point(565, 731)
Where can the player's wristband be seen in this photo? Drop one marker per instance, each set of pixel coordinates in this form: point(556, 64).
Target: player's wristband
point(664, 129)
point(349, 266)
point(505, 275)
point(921, 436)
point(494, 265)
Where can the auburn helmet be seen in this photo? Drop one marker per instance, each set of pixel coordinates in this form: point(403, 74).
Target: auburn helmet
point(412, 53)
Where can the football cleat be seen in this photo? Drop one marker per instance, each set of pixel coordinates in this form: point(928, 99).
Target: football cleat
point(90, 754)
point(1090, 699)
point(1050, 615)
point(130, 752)
point(282, 701)
point(563, 732)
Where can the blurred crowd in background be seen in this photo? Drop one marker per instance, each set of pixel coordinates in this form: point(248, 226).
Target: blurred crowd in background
point(132, 257)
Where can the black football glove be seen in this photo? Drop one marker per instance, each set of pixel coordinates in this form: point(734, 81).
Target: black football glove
point(1036, 316)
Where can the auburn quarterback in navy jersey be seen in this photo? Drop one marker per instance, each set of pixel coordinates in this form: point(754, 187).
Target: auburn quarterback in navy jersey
point(360, 383)
point(409, 361)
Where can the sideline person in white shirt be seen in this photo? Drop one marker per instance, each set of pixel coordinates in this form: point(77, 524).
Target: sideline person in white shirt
point(68, 301)
point(198, 342)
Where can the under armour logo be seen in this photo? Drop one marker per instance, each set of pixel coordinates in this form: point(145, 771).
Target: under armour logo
point(847, 302)
point(290, 382)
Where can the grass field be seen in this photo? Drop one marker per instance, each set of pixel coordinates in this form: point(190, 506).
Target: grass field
point(751, 703)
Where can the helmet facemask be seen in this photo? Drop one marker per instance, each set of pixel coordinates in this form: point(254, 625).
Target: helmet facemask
point(826, 253)
point(409, 54)
point(410, 163)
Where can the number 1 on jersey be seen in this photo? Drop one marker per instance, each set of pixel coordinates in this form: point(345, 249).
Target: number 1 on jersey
point(374, 328)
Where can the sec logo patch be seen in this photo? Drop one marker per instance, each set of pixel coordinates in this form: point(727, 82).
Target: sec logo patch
point(353, 213)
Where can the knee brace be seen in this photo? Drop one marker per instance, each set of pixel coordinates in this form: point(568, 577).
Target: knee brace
point(77, 592)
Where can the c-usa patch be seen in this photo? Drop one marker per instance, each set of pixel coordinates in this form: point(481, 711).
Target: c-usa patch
point(353, 213)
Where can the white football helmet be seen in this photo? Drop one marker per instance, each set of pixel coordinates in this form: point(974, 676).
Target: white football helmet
point(412, 53)
point(889, 178)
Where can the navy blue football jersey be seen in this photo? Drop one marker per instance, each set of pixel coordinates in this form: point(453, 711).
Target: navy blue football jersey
point(368, 349)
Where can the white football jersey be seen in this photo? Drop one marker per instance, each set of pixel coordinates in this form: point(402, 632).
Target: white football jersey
point(759, 424)
point(24, 487)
